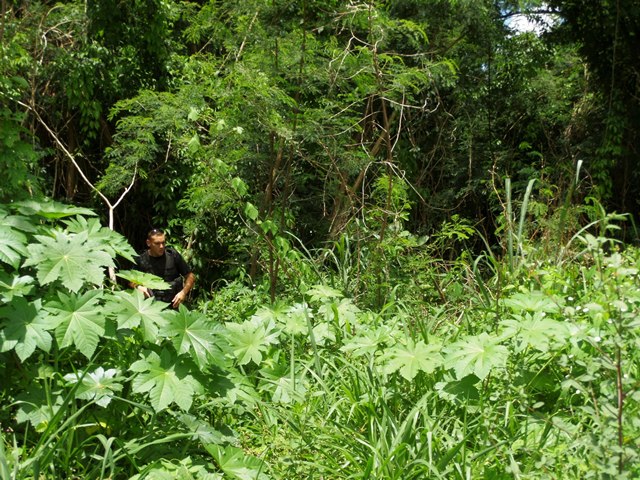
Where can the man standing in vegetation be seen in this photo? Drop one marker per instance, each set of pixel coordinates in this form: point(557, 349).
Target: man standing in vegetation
point(167, 264)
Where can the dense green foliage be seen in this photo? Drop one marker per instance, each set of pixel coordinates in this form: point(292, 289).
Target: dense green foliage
point(397, 215)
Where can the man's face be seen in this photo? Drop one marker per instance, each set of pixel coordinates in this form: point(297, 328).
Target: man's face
point(156, 245)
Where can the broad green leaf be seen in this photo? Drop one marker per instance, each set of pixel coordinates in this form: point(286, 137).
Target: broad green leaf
point(26, 327)
point(130, 309)
point(322, 333)
point(295, 321)
point(323, 292)
point(80, 320)
point(14, 286)
point(368, 341)
point(69, 259)
point(145, 279)
point(50, 209)
point(102, 238)
point(344, 311)
point(100, 385)
point(250, 339)
point(251, 211)
point(475, 354)
point(412, 358)
point(12, 246)
point(191, 332)
point(235, 463)
point(37, 407)
point(535, 331)
point(534, 301)
point(165, 379)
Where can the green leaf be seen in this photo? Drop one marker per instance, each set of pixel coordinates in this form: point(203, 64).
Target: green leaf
point(69, 259)
point(50, 209)
point(535, 331)
point(37, 407)
point(26, 327)
point(535, 301)
point(166, 379)
point(476, 354)
point(295, 321)
point(412, 358)
point(80, 320)
point(14, 286)
point(323, 292)
point(191, 332)
point(237, 464)
point(12, 246)
point(368, 341)
point(100, 385)
point(130, 309)
point(251, 211)
point(102, 238)
point(250, 339)
point(145, 279)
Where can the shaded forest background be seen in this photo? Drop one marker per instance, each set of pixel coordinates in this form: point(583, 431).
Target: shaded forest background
point(244, 128)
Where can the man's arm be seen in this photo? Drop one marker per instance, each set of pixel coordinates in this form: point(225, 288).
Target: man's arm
point(180, 297)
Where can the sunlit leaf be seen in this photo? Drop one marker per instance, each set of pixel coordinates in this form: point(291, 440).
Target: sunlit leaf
point(250, 339)
point(130, 310)
point(475, 354)
point(235, 463)
point(534, 301)
point(25, 327)
point(69, 259)
point(15, 286)
point(166, 379)
point(145, 279)
point(412, 358)
point(323, 292)
point(12, 246)
point(101, 237)
point(100, 385)
point(80, 320)
point(535, 331)
point(191, 332)
point(50, 209)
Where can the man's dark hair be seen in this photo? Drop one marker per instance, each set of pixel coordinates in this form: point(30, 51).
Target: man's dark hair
point(155, 231)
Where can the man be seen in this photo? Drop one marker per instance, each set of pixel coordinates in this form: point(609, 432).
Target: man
point(167, 264)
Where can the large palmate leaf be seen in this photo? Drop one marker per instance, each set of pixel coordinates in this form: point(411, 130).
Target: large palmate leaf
point(166, 379)
point(102, 238)
point(323, 292)
point(295, 321)
point(191, 332)
point(37, 406)
point(80, 320)
point(25, 327)
point(535, 331)
point(12, 246)
point(100, 385)
point(475, 354)
point(50, 209)
point(237, 464)
point(145, 279)
point(534, 301)
point(130, 309)
point(368, 341)
point(250, 339)
point(14, 286)
point(412, 358)
point(68, 258)
point(344, 311)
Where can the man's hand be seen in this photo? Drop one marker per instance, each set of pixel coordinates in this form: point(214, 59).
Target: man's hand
point(178, 299)
point(144, 290)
